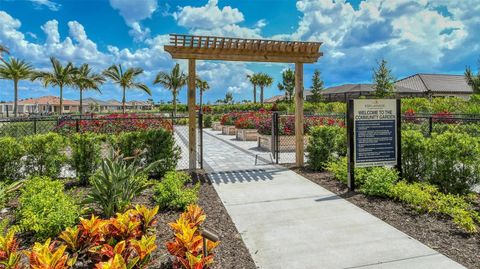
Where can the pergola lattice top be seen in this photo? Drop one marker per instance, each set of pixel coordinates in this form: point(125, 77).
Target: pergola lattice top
point(242, 49)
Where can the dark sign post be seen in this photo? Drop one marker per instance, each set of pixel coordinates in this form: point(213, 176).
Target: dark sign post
point(374, 135)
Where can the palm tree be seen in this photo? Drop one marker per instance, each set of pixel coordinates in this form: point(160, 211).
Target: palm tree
point(254, 80)
point(173, 81)
point(3, 50)
point(228, 98)
point(84, 79)
point(61, 76)
point(15, 70)
point(264, 80)
point(473, 80)
point(202, 85)
point(126, 79)
point(288, 83)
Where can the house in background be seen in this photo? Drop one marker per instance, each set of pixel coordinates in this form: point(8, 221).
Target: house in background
point(44, 104)
point(438, 85)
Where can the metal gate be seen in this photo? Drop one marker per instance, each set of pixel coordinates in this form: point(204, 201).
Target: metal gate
point(200, 139)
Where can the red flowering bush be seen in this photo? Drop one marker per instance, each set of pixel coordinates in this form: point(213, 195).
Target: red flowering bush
point(114, 123)
point(287, 124)
point(443, 117)
point(231, 118)
point(250, 120)
point(410, 116)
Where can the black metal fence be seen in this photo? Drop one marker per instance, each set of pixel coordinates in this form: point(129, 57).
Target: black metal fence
point(21, 127)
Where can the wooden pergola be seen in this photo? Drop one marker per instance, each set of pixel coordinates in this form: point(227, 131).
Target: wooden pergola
point(195, 48)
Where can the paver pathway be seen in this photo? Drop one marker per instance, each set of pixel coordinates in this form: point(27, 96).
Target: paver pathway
point(287, 221)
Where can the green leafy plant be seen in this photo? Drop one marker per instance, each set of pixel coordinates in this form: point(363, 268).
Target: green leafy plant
point(425, 197)
point(378, 181)
point(323, 144)
point(172, 193)
point(158, 146)
point(207, 121)
point(44, 208)
point(86, 154)
point(454, 159)
point(45, 154)
point(117, 183)
point(10, 159)
point(414, 155)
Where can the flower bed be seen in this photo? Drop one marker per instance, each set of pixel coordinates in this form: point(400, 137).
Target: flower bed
point(113, 123)
point(287, 124)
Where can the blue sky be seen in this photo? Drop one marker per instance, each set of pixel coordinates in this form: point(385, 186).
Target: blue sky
point(427, 36)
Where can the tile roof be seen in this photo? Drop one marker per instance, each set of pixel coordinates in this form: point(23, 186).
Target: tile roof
point(51, 100)
point(365, 88)
point(436, 83)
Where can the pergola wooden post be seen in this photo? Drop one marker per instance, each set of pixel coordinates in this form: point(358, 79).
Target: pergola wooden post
point(299, 151)
point(245, 50)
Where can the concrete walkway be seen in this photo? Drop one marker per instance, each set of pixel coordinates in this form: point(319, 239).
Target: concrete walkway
point(287, 221)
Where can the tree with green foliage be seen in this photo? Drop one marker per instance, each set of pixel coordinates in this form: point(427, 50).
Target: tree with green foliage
point(60, 76)
point(383, 80)
point(228, 98)
point(254, 80)
point(126, 80)
point(473, 80)
point(288, 83)
point(84, 79)
point(264, 80)
point(173, 81)
point(202, 86)
point(15, 70)
point(317, 87)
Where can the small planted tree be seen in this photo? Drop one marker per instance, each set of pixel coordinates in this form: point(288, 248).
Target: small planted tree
point(288, 83)
point(383, 80)
point(317, 87)
point(228, 98)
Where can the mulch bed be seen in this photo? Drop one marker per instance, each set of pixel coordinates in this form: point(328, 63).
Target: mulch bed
point(434, 230)
point(231, 253)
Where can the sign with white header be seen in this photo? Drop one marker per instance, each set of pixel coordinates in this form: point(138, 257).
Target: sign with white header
point(375, 132)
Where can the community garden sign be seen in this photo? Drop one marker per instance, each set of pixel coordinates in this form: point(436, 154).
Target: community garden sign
point(373, 128)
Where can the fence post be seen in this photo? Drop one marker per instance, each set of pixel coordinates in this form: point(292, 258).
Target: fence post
point(200, 137)
point(34, 125)
point(430, 125)
point(77, 125)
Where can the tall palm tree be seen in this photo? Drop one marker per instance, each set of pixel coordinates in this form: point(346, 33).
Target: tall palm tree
point(3, 50)
point(202, 85)
point(254, 80)
point(173, 81)
point(60, 76)
point(264, 80)
point(84, 79)
point(126, 80)
point(15, 70)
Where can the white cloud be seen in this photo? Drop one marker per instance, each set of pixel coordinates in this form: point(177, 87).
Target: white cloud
point(209, 16)
point(133, 12)
point(53, 6)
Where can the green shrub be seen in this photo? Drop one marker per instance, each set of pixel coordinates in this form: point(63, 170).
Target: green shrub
point(378, 181)
point(158, 144)
point(117, 183)
point(10, 159)
point(86, 154)
point(323, 144)
point(172, 193)
point(454, 161)
point(207, 121)
point(45, 209)
point(339, 168)
point(414, 155)
point(425, 197)
point(45, 154)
